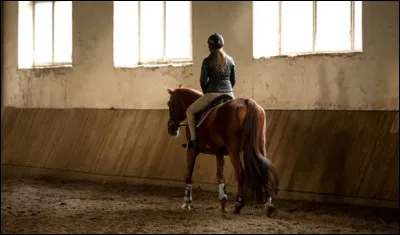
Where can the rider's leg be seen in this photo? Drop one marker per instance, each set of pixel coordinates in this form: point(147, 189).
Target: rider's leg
point(196, 107)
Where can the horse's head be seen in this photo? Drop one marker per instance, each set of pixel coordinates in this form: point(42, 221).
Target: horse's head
point(177, 113)
point(180, 99)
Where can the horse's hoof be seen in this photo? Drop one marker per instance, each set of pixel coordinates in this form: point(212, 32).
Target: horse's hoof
point(186, 206)
point(223, 206)
point(238, 208)
point(223, 209)
point(270, 210)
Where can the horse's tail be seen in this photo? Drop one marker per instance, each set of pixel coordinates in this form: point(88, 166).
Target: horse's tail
point(260, 174)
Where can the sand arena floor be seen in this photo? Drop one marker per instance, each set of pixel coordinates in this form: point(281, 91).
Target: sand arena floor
point(56, 206)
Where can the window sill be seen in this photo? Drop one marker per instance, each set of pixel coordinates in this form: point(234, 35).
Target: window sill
point(40, 67)
point(153, 66)
point(313, 54)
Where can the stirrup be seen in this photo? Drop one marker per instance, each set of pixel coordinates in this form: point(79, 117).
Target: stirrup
point(194, 144)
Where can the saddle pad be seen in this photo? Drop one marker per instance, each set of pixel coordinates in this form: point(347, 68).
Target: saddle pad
point(205, 114)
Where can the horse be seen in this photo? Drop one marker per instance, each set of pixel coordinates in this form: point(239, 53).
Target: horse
point(228, 126)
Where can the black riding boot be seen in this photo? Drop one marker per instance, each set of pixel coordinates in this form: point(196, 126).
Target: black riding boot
point(195, 145)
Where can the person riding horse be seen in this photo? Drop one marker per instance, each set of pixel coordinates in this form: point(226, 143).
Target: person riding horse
point(217, 78)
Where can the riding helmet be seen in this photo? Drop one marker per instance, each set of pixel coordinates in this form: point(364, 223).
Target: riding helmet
point(216, 40)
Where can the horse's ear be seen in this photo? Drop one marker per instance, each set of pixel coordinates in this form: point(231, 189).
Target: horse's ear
point(170, 91)
point(180, 85)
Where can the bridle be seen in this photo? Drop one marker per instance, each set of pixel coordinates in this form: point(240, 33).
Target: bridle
point(171, 123)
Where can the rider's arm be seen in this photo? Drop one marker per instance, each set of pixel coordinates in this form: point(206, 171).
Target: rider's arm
point(204, 76)
point(233, 75)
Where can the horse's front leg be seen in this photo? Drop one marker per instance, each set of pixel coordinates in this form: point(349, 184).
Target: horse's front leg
point(223, 197)
point(191, 161)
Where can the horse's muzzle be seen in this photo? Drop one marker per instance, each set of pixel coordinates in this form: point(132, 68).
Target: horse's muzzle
point(173, 128)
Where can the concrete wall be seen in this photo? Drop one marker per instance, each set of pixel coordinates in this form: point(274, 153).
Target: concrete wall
point(367, 81)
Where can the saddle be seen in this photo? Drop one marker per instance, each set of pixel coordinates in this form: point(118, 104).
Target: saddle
point(202, 115)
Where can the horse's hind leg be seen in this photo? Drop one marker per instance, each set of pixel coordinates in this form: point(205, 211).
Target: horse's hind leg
point(191, 161)
point(237, 165)
point(268, 206)
point(223, 197)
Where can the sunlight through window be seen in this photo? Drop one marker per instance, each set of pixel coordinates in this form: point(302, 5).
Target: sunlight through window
point(306, 27)
point(265, 28)
point(25, 34)
point(126, 31)
point(333, 27)
point(358, 26)
point(63, 32)
point(44, 33)
point(297, 26)
point(152, 32)
point(178, 31)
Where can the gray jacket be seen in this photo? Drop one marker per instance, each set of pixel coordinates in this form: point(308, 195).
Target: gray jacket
point(214, 80)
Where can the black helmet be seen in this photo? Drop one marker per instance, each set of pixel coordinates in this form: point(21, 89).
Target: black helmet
point(216, 41)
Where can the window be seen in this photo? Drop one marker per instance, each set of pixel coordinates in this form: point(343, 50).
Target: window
point(44, 33)
point(306, 27)
point(152, 32)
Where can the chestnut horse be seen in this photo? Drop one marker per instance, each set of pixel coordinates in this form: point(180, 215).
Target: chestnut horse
point(232, 127)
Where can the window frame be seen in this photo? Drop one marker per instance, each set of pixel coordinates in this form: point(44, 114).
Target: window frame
point(164, 61)
point(314, 36)
point(52, 63)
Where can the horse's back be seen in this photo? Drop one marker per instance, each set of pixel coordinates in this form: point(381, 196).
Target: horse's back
point(227, 119)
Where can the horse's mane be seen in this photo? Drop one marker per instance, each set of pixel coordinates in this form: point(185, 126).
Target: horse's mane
point(189, 91)
point(186, 95)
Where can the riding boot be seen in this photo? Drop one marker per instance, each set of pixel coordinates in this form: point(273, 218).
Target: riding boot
point(195, 145)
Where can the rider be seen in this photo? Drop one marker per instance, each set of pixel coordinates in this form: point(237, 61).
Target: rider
point(217, 78)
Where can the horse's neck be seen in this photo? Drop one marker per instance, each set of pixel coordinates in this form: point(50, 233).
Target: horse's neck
point(187, 103)
point(189, 99)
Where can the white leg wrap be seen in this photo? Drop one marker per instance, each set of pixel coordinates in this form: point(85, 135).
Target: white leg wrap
point(222, 192)
point(188, 194)
point(268, 203)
